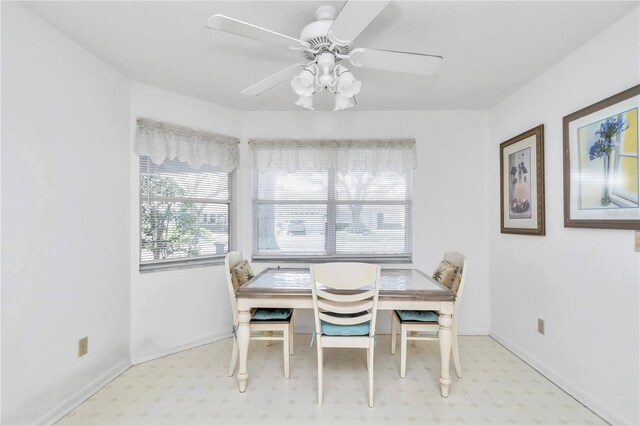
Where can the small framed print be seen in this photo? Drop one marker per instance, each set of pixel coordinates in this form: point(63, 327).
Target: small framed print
point(601, 173)
point(522, 183)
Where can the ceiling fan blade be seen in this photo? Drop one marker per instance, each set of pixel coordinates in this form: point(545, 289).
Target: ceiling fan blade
point(233, 26)
point(391, 60)
point(274, 79)
point(352, 19)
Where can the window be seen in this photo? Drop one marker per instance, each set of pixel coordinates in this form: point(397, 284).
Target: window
point(185, 194)
point(332, 215)
point(184, 213)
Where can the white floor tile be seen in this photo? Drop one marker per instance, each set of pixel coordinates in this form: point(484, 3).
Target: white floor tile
point(192, 388)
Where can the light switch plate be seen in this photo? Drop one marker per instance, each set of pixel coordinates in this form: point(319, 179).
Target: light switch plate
point(638, 241)
point(540, 326)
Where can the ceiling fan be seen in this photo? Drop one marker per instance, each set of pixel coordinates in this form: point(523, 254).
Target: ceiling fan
point(325, 43)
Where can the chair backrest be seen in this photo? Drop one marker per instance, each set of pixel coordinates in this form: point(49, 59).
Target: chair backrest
point(460, 261)
point(351, 289)
point(231, 260)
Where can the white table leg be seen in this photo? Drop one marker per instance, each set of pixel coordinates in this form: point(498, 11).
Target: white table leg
point(444, 339)
point(244, 335)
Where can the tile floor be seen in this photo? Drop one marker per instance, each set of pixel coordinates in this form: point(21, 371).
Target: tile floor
point(192, 387)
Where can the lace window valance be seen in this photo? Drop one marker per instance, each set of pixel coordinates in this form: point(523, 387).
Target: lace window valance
point(161, 141)
point(343, 155)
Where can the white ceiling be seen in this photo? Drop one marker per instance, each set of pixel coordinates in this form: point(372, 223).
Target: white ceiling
point(490, 48)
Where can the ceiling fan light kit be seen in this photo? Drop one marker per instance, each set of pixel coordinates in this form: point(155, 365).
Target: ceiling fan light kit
point(324, 43)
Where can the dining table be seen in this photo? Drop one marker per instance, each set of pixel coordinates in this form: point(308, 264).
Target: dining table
point(400, 289)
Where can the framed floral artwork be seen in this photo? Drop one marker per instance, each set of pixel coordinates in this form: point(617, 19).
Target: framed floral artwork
point(522, 183)
point(601, 174)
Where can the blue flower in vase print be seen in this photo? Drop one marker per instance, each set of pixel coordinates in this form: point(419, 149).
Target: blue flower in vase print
point(611, 127)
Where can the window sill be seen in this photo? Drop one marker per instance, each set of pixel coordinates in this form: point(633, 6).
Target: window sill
point(325, 259)
point(181, 264)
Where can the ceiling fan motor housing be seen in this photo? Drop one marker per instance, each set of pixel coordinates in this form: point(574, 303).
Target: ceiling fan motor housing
point(315, 33)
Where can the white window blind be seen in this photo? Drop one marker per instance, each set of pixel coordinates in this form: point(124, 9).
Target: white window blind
point(184, 213)
point(344, 215)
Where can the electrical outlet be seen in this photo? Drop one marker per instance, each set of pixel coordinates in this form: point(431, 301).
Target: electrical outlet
point(83, 346)
point(540, 326)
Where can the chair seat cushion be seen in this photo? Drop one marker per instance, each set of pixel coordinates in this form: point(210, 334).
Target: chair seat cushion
point(422, 316)
point(329, 329)
point(265, 314)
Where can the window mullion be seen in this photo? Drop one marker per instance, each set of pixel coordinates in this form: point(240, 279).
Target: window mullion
point(330, 238)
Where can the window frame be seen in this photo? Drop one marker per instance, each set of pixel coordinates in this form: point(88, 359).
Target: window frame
point(332, 203)
point(194, 261)
point(618, 195)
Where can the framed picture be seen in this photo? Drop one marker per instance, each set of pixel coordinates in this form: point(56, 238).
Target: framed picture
point(601, 179)
point(522, 183)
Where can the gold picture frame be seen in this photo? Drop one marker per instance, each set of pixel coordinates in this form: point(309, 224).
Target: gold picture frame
point(522, 183)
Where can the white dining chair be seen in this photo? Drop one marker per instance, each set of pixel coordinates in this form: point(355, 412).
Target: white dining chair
point(264, 321)
point(414, 324)
point(345, 302)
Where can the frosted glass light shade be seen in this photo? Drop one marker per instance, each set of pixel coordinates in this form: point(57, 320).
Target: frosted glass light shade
point(348, 85)
point(343, 102)
point(302, 83)
point(305, 102)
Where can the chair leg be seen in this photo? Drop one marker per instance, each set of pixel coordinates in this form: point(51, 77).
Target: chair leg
point(456, 353)
point(269, 334)
point(320, 365)
point(234, 358)
point(291, 335)
point(285, 348)
point(394, 326)
point(368, 366)
point(370, 363)
point(403, 351)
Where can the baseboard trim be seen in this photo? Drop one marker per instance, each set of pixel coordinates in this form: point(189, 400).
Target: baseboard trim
point(149, 356)
point(69, 404)
point(586, 399)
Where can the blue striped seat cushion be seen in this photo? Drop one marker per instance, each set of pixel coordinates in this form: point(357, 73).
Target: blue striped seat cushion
point(329, 329)
point(422, 316)
point(264, 314)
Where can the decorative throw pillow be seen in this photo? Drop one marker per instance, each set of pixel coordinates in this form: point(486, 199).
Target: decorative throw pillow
point(448, 275)
point(455, 285)
point(241, 274)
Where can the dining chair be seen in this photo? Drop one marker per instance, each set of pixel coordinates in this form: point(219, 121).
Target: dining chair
point(345, 301)
point(263, 321)
point(413, 323)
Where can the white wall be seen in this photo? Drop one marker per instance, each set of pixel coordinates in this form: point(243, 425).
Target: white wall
point(582, 282)
point(65, 220)
point(449, 186)
point(173, 310)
